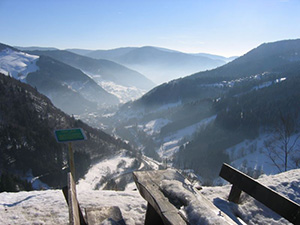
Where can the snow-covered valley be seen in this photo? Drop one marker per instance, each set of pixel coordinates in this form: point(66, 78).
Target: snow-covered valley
point(124, 93)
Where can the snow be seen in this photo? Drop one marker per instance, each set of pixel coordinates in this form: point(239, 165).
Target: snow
point(252, 211)
point(49, 207)
point(172, 142)
point(154, 165)
point(36, 183)
point(193, 208)
point(17, 64)
point(123, 93)
point(103, 168)
point(252, 154)
point(231, 83)
point(280, 80)
point(154, 126)
point(268, 83)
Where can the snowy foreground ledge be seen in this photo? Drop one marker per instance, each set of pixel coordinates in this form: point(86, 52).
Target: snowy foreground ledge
point(49, 207)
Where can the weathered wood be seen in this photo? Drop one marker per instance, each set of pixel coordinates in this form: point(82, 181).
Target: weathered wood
point(234, 195)
point(96, 216)
point(148, 183)
point(71, 160)
point(152, 217)
point(273, 200)
point(73, 203)
point(67, 192)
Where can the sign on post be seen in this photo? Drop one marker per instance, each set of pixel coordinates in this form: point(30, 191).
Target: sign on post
point(67, 136)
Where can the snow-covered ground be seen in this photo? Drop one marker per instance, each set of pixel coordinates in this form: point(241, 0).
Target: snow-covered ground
point(49, 207)
point(17, 64)
point(115, 165)
point(251, 211)
point(252, 154)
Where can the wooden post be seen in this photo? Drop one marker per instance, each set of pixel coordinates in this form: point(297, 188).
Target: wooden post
point(71, 159)
point(67, 136)
point(73, 203)
point(235, 194)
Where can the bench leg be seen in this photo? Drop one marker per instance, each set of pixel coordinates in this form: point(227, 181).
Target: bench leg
point(235, 194)
point(152, 217)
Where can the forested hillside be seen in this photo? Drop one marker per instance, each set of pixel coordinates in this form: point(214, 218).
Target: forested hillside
point(193, 121)
point(27, 143)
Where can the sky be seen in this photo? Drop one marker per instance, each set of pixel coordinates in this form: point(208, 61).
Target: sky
point(222, 27)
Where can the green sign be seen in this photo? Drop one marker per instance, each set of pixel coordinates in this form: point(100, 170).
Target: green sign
point(69, 135)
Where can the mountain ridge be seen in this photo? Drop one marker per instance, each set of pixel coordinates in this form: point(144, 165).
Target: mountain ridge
point(158, 64)
point(108, 70)
point(68, 87)
point(193, 120)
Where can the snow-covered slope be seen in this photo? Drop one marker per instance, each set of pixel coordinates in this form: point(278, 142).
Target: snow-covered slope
point(114, 172)
point(123, 93)
point(49, 207)
point(252, 156)
point(112, 167)
point(17, 64)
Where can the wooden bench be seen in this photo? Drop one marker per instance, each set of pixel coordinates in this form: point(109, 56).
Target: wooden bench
point(160, 210)
point(93, 216)
point(273, 200)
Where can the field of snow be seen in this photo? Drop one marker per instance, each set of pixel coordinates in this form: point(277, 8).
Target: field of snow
point(17, 64)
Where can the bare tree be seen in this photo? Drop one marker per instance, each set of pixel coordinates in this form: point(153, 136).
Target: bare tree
point(282, 147)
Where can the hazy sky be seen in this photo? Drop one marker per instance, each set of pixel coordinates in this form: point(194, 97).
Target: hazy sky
point(224, 27)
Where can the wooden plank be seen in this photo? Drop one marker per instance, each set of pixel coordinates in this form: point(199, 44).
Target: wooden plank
point(73, 203)
point(273, 200)
point(96, 216)
point(148, 183)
